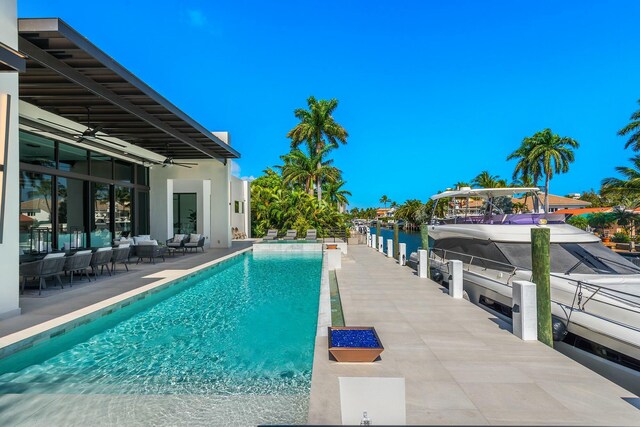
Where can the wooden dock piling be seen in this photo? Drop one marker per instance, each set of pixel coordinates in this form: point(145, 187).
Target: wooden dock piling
point(540, 262)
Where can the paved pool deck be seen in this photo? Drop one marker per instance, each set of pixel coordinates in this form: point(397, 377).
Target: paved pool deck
point(461, 364)
point(56, 302)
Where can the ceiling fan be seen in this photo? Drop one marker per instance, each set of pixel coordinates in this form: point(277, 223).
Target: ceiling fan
point(170, 162)
point(89, 134)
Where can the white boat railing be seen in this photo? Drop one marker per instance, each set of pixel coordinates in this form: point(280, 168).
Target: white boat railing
point(626, 301)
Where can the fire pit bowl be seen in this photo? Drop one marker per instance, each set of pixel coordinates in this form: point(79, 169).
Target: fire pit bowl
point(354, 343)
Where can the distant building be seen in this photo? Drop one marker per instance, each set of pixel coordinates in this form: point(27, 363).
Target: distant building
point(556, 202)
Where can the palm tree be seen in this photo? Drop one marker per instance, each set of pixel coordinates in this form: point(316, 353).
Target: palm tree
point(384, 200)
point(629, 186)
point(486, 180)
point(336, 194)
point(544, 152)
point(525, 172)
point(303, 170)
point(408, 210)
point(632, 129)
point(318, 129)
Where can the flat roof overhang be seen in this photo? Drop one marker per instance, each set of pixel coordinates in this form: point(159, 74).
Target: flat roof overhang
point(10, 59)
point(69, 76)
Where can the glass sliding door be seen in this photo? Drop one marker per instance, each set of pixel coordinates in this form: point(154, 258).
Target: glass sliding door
point(185, 216)
point(100, 215)
point(72, 233)
point(36, 205)
point(142, 213)
point(123, 218)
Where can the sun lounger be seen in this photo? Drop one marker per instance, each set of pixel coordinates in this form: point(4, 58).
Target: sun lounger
point(311, 235)
point(271, 235)
point(291, 235)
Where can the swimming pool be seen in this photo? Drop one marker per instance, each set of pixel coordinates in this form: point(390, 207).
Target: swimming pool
point(232, 345)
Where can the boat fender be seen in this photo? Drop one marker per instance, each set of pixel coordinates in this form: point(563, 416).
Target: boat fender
point(558, 329)
point(436, 275)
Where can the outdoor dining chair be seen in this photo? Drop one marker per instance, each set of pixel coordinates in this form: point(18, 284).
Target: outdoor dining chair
point(42, 270)
point(120, 256)
point(101, 258)
point(79, 262)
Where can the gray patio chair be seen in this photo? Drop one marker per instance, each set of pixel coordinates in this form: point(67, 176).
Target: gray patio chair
point(191, 245)
point(79, 262)
point(29, 270)
point(179, 245)
point(101, 258)
point(311, 235)
point(120, 256)
point(42, 270)
point(291, 235)
point(271, 235)
point(150, 251)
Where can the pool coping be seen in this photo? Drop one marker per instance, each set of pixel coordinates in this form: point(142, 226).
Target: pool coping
point(36, 334)
point(324, 305)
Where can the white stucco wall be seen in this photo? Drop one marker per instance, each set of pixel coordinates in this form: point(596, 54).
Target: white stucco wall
point(213, 195)
point(240, 193)
point(9, 297)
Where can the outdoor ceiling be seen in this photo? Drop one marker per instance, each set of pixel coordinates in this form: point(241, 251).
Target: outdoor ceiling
point(68, 76)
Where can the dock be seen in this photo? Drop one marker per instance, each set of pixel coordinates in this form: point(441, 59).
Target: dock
point(460, 364)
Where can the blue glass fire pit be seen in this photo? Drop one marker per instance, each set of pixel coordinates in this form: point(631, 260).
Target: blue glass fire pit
point(354, 343)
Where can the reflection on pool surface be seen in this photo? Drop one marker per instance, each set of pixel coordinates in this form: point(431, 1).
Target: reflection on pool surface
point(232, 345)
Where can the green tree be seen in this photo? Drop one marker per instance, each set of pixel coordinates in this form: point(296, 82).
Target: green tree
point(335, 194)
point(302, 170)
point(546, 152)
point(633, 130)
point(594, 198)
point(318, 129)
point(384, 200)
point(486, 180)
point(408, 211)
point(578, 221)
point(628, 185)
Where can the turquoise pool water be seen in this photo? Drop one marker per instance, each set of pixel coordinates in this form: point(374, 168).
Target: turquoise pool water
point(241, 332)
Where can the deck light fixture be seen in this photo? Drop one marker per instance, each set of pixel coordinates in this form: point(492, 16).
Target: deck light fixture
point(5, 102)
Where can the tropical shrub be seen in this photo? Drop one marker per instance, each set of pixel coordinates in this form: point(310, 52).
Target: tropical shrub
point(621, 237)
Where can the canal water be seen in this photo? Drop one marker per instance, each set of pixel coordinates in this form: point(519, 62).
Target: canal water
point(412, 239)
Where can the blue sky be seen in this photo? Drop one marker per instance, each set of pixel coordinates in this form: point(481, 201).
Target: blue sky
point(431, 92)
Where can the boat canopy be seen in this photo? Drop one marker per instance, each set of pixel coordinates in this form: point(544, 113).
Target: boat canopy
point(485, 193)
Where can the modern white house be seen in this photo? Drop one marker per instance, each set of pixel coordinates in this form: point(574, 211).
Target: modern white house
point(93, 154)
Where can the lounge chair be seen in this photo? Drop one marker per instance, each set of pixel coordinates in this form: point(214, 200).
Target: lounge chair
point(79, 262)
point(311, 235)
point(271, 235)
point(151, 251)
point(178, 241)
point(291, 235)
point(195, 241)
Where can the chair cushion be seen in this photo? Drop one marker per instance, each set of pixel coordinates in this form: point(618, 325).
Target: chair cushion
point(193, 238)
point(191, 245)
point(106, 248)
point(56, 255)
point(88, 251)
point(124, 245)
point(177, 238)
point(148, 243)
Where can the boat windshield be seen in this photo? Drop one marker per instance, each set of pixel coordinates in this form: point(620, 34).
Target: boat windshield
point(568, 258)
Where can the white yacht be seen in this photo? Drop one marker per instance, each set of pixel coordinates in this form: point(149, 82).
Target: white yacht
point(595, 292)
